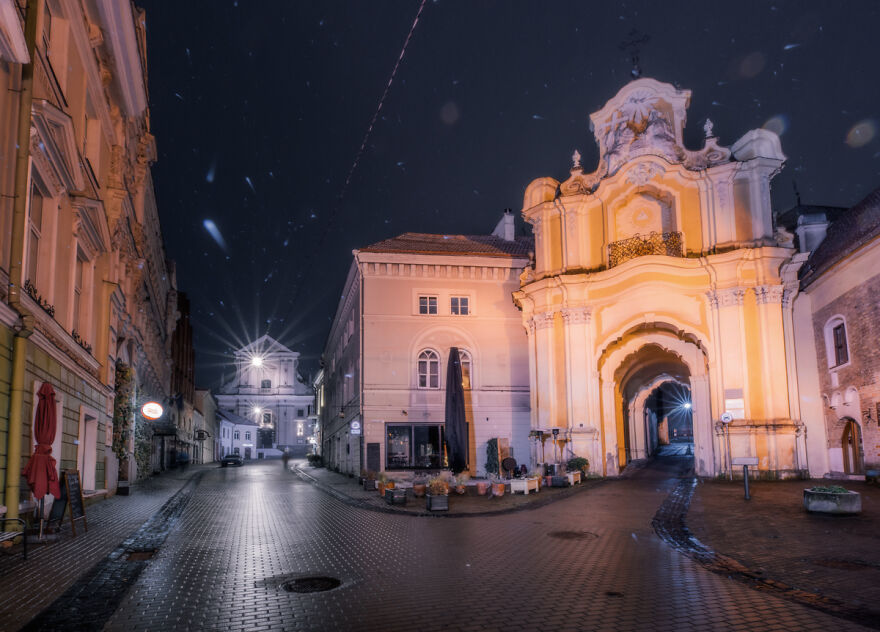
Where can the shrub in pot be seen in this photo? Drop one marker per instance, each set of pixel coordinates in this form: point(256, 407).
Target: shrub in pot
point(497, 486)
point(461, 482)
point(438, 494)
point(578, 463)
point(832, 500)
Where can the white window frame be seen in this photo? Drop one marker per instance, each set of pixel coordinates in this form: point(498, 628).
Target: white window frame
point(459, 301)
point(830, 355)
point(428, 298)
point(431, 358)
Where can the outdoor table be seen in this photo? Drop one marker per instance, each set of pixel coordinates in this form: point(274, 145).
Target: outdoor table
point(524, 485)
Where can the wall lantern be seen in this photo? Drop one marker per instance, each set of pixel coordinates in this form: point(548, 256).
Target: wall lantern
point(152, 410)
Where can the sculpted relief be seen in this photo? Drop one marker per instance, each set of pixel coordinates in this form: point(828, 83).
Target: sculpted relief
point(643, 213)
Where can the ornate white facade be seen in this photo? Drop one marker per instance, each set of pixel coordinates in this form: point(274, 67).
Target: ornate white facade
point(661, 266)
point(267, 389)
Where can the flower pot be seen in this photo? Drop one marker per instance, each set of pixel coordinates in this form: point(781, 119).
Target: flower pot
point(381, 487)
point(482, 487)
point(832, 502)
point(498, 489)
point(548, 481)
point(437, 503)
point(389, 485)
point(460, 489)
point(419, 490)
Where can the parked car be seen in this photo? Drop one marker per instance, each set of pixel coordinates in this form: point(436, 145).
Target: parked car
point(232, 459)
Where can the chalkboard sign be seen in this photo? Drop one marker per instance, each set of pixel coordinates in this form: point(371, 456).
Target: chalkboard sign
point(75, 499)
point(373, 457)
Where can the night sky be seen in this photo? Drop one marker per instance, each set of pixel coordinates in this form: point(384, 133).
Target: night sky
point(259, 109)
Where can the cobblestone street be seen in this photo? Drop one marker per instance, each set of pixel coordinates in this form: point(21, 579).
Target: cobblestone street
point(590, 561)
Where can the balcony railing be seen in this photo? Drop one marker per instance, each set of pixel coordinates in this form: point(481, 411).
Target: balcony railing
point(668, 244)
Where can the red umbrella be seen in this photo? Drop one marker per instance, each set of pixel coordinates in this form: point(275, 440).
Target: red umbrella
point(40, 469)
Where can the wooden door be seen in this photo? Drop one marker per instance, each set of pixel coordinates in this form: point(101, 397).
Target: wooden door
point(852, 448)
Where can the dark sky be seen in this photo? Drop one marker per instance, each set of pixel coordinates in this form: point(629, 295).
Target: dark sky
point(259, 108)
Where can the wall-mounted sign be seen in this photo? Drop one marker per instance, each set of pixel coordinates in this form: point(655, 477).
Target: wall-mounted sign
point(355, 427)
point(152, 410)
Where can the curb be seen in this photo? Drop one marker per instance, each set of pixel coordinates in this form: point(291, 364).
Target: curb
point(670, 525)
point(360, 504)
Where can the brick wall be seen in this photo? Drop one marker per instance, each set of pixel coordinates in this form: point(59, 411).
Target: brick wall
point(860, 307)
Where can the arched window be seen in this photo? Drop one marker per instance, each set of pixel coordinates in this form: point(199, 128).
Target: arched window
point(266, 384)
point(836, 342)
point(429, 369)
point(466, 369)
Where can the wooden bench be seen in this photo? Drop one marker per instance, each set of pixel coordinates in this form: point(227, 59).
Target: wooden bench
point(9, 536)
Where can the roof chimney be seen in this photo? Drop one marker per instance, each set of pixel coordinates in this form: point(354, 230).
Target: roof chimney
point(506, 229)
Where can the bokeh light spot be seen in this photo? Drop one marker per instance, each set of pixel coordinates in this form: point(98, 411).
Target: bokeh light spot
point(777, 124)
point(449, 113)
point(861, 133)
point(752, 64)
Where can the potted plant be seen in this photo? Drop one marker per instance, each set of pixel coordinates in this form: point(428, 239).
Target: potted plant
point(369, 481)
point(578, 463)
point(438, 494)
point(537, 474)
point(384, 483)
point(497, 486)
point(420, 486)
point(832, 500)
point(483, 485)
point(461, 482)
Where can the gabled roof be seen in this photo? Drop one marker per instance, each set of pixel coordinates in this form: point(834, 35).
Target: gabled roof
point(466, 245)
point(853, 229)
point(265, 344)
point(238, 420)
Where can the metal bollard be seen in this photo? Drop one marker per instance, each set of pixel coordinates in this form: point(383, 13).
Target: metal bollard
point(746, 481)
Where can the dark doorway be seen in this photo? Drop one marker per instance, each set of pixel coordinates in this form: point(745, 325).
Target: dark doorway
point(265, 438)
point(852, 447)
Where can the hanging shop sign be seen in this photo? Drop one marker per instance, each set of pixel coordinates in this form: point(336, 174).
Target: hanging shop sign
point(152, 410)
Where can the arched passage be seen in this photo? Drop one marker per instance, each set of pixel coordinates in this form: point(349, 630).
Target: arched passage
point(851, 442)
point(633, 374)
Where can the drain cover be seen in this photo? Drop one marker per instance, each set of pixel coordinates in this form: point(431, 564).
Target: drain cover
point(573, 535)
point(311, 584)
point(139, 556)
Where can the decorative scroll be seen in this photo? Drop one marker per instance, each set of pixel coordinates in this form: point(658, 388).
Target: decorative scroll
point(39, 300)
point(668, 244)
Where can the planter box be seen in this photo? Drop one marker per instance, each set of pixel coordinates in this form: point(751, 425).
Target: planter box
point(437, 503)
point(395, 496)
point(524, 485)
point(123, 488)
point(370, 484)
point(574, 477)
point(832, 502)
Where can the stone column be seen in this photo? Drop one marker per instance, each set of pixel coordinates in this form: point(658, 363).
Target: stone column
point(582, 427)
point(728, 330)
point(773, 357)
point(545, 372)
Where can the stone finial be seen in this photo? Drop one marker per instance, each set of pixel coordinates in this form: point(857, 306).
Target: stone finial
point(707, 127)
point(576, 160)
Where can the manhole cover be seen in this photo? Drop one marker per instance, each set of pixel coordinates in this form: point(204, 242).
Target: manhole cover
point(311, 584)
point(573, 535)
point(139, 556)
point(845, 565)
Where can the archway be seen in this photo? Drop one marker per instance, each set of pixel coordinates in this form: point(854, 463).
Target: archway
point(654, 385)
point(851, 442)
point(631, 368)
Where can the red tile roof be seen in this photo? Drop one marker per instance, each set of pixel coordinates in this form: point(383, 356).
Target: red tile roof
point(469, 245)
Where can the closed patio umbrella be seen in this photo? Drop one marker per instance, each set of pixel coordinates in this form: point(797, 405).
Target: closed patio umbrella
point(40, 469)
point(456, 424)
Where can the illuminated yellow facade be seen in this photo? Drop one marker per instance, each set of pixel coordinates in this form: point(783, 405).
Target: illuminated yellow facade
point(663, 266)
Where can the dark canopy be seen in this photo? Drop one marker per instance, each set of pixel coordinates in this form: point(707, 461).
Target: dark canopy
point(456, 425)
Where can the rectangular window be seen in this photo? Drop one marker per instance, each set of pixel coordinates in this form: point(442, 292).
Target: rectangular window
point(414, 446)
point(36, 228)
point(841, 353)
point(299, 430)
point(236, 435)
point(77, 290)
point(427, 305)
point(300, 412)
point(266, 384)
point(247, 436)
point(459, 305)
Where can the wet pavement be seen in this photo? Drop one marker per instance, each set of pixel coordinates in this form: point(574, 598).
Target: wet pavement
point(590, 561)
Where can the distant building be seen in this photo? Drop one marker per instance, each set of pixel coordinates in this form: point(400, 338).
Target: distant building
point(206, 432)
point(240, 436)
point(405, 303)
point(267, 389)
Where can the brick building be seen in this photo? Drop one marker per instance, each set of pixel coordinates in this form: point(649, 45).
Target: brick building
point(842, 279)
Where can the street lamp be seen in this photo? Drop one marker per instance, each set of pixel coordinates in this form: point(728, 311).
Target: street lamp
point(257, 361)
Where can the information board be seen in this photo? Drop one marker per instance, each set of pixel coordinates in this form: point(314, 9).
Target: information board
point(75, 499)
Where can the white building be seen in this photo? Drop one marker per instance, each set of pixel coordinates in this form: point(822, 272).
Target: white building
point(406, 302)
point(266, 388)
point(238, 435)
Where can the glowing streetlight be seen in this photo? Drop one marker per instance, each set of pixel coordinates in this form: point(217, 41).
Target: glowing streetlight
point(257, 361)
point(686, 405)
point(257, 410)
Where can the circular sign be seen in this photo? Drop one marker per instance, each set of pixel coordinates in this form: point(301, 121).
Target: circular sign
point(355, 425)
point(152, 410)
point(726, 417)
